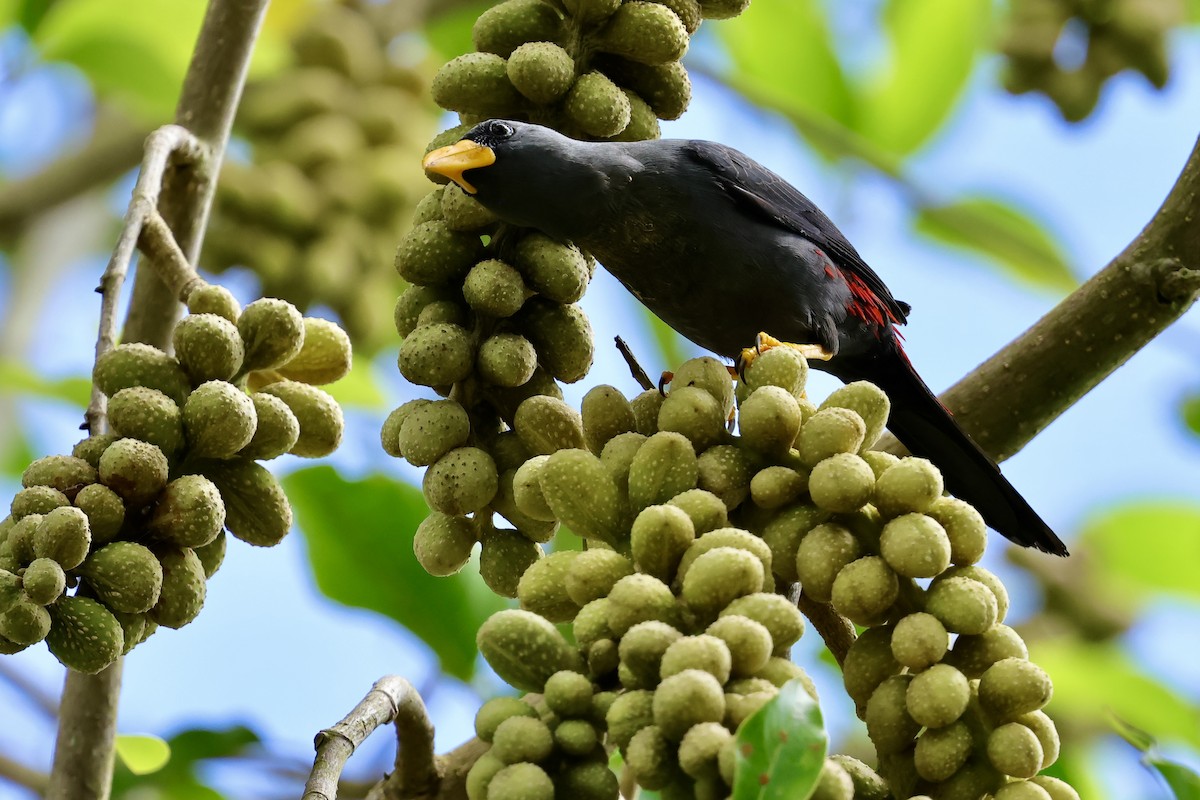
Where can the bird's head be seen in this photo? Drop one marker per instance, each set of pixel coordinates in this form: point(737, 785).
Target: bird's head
point(526, 174)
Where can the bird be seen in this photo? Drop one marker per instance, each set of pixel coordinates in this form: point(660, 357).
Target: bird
point(722, 249)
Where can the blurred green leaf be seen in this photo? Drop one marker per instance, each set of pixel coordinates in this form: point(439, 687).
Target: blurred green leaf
point(784, 48)
point(1189, 409)
point(196, 744)
point(449, 34)
point(136, 51)
point(1092, 681)
point(143, 754)
point(179, 777)
point(672, 347)
point(18, 379)
point(1147, 548)
point(1007, 235)
point(781, 748)
point(359, 536)
point(934, 44)
point(358, 389)
point(29, 13)
point(1184, 782)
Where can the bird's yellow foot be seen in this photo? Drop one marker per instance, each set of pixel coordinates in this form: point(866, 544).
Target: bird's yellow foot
point(765, 341)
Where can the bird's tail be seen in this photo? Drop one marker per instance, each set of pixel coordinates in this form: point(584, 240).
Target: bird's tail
point(926, 427)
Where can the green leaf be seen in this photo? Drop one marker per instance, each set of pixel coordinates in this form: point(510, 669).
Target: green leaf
point(934, 44)
point(17, 378)
point(672, 349)
point(136, 51)
point(1146, 548)
point(1093, 680)
point(197, 744)
point(359, 536)
point(1189, 409)
point(358, 389)
point(784, 48)
point(781, 748)
point(1184, 782)
point(449, 34)
point(1005, 234)
point(143, 754)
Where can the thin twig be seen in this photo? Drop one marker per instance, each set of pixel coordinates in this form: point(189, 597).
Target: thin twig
point(635, 368)
point(835, 630)
point(161, 146)
point(391, 699)
point(22, 775)
point(41, 699)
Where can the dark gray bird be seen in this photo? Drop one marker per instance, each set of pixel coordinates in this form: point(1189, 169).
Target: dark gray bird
point(721, 248)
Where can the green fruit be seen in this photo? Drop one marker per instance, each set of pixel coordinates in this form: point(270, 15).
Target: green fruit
point(749, 643)
point(964, 527)
point(521, 781)
point(834, 783)
point(663, 467)
point(479, 777)
point(569, 694)
point(593, 574)
point(1015, 750)
point(527, 490)
point(256, 509)
point(496, 711)
point(667, 89)
point(272, 331)
point(318, 414)
point(125, 576)
point(696, 414)
point(685, 699)
point(703, 652)
point(91, 448)
point(645, 411)
point(1047, 734)
point(915, 546)
point(325, 357)
point(462, 212)
point(586, 780)
point(822, 554)
point(136, 364)
point(725, 471)
point(780, 617)
point(503, 558)
point(709, 374)
point(1021, 790)
point(37, 500)
point(591, 623)
point(988, 579)
point(864, 590)
point(974, 654)
point(699, 749)
point(183, 588)
point(889, 724)
point(506, 401)
point(769, 420)
point(443, 543)
point(658, 539)
point(641, 650)
point(938, 696)
point(606, 414)
point(842, 482)
point(63, 536)
point(67, 474)
point(432, 253)
point(783, 367)
point(1055, 789)
point(212, 555)
point(506, 359)
point(520, 738)
point(389, 433)
point(1013, 687)
point(16, 549)
point(547, 425)
point(277, 429)
point(705, 509)
point(475, 84)
point(868, 401)
point(583, 496)
point(432, 430)
point(210, 298)
point(869, 661)
point(493, 288)
point(562, 336)
point(219, 419)
point(506, 26)
point(208, 347)
point(638, 598)
point(942, 751)
point(84, 636)
point(575, 737)
point(644, 32)
point(525, 649)
point(104, 509)
point(440, 354)
point(718, 577)
point(728, 537)
point(783, 532)
point(542, 71)
point(776, 487)
point(830, 431)
point(44, 581)
point(629, 713)
point(910, 486)
point(413, 300)
point(597, 105)
point(190, 513)
point(543, 587)
point(962, 605)
point(741, 706)
point(551, 268)
point(919, 641)
point(462, 481)
point(25, 622)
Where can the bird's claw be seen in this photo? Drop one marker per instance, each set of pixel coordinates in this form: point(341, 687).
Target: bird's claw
point(765, 341)
point(666, 377)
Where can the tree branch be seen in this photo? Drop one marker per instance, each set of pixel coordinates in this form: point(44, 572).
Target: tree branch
point(18, 773)
point(87, 735)
point(391, 699)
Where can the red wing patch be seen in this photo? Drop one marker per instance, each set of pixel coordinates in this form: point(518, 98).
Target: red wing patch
point(865, 305)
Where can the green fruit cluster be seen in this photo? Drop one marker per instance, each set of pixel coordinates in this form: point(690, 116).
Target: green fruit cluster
point(330, 186)
point(1118, 35)
point(105, 545)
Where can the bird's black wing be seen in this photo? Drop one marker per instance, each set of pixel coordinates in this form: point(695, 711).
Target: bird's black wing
point(762, 193)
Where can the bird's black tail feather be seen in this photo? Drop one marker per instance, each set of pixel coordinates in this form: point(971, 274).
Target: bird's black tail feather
point(920, 421)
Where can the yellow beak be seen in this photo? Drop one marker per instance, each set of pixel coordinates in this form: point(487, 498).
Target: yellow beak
point(453, 160)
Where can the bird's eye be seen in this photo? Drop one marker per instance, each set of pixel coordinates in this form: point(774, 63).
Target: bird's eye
point(502, 130)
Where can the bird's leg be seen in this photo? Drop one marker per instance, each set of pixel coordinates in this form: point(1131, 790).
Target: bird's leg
point(666, 377)
point(765, 341)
